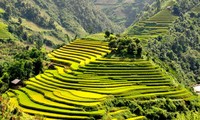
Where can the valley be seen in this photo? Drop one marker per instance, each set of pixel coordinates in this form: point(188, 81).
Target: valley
point(99, 59)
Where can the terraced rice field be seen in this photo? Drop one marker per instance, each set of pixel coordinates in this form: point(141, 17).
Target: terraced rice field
point(78, 92)
point(155, 25)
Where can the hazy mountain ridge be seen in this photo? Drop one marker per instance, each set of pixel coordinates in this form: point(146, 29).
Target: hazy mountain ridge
point(122, 12)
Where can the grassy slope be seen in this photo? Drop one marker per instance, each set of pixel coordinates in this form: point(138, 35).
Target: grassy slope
point(97, 36)
point(4, 34)
point(1, 11)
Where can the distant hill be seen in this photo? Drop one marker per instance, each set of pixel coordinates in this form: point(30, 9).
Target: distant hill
point(69, 16)
point(51, 22)
point(122, 12)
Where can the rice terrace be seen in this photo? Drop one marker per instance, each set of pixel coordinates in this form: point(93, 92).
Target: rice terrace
point(80, 92)
point(99, 60)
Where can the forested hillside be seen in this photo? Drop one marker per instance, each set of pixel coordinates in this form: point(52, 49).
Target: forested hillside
point(172, 31)
point(180, 48)
point(50, 23)
point(54, 22)
point(181, 51)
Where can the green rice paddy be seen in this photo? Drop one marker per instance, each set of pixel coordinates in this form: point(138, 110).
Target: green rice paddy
point(79, 90)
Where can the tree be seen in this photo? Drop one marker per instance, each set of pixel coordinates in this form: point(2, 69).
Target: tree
point(51, 23)
point(159, 38)
point(107, 34)
point(11, 28)
point(28, 67)
point(38, 66)
point(20, 20)
point(139, 52)
point(113, 44)
point(5, 78)
point(176, 10)
point(16, 70)
point(137, 41)
point(158, 3)
point(8, 13)
point(131, 49)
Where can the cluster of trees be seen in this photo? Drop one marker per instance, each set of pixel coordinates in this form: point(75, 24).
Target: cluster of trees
point(24, 65)
point(124, 46)
point(161, 109)
point(183, 6)
point(181, 49)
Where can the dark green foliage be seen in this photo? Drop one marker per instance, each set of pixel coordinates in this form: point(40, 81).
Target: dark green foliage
point(18, 30)
point(25, 65)
point(158, 109)
point(126, 47)
point(181, 51)
point(183, 6)
point(186, 5)
point(139, 52)
point(176, 10)
point(36, 38)
point(20, 20)
point(107, 34)
point(158, 3)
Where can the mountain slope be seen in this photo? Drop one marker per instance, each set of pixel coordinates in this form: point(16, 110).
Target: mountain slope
point(122, 12)
point(76, 17)
point(92, 87)
point(173, 37)
point(50, 22)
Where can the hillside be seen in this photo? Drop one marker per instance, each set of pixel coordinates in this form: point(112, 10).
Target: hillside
point(155, 25)
point(92, 87)
point(171, 38)
point(122, 12)
point(49, 23)
point(59, 21)
point(64, 13)
point(68, 60)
